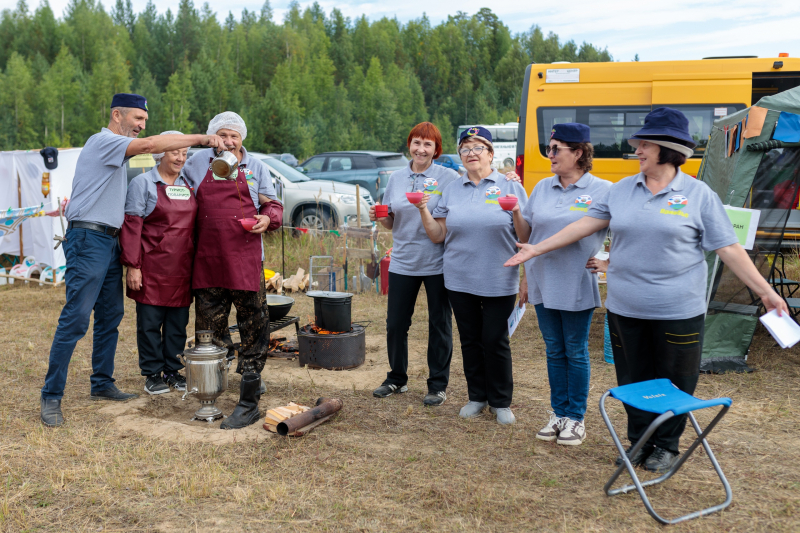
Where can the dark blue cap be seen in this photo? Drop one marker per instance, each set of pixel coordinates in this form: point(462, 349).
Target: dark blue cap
point(571, 132)
point(129, 100)
point(476, 132)
point(50, 157)
point(666, 124)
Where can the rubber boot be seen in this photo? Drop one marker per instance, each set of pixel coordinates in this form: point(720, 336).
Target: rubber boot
point(246, 411)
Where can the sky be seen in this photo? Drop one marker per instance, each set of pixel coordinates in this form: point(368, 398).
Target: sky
point(678, 29)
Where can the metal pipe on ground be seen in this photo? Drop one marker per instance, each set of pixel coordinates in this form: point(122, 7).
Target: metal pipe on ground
point(325, 407)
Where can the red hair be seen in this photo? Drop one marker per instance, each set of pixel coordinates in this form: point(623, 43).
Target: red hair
point(428, 132)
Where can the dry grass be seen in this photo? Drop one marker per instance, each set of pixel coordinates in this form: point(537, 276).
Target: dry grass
point(381, 465)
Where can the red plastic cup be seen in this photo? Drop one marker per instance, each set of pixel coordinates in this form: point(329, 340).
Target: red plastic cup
point(248, 223)
point(507, 202)
point(414, 197)
point(381, 211)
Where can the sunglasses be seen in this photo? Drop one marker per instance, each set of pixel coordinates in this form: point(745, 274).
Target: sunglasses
point(555, 149)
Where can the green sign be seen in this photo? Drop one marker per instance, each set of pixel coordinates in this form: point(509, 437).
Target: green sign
point(745, 224)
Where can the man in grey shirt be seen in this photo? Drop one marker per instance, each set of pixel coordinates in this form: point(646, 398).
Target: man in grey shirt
point(94, 274)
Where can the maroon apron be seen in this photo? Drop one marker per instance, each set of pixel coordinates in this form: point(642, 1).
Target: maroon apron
point(227, 256)
point(167, 242)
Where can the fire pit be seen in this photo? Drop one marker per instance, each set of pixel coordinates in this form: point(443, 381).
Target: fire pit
point(332, 351)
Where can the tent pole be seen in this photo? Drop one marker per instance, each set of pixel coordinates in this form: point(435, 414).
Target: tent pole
point(19, 204)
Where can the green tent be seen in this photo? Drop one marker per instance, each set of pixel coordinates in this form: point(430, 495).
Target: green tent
point(761, 174)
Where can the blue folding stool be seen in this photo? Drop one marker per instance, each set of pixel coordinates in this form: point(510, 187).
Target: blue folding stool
point(660, 396)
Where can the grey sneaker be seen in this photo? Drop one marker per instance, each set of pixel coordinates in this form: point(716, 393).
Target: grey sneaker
point(114, 394)
point(175, 380)
point(155, 385)
point(572, 432)
point(435, 398)
point(549, 433)
point(51, 413)
point(384, 391)
point(504, 415)
point(661, 461)
point(472, 409)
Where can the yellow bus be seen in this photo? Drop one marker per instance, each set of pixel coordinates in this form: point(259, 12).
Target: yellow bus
point(613, 99)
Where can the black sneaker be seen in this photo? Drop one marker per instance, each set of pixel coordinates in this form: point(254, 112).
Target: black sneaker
point(639, 458)
point(114, 394)
point(176, 381)
point(661, 461)
point(384, 391)
point(155, 385)
point(434, 398)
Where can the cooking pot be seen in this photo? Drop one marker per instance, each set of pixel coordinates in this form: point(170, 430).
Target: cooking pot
point(225, 165)
point(278, 306)
point(332, 310)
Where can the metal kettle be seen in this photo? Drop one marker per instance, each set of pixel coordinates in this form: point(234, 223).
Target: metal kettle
point(206, 374)
point(225, 165)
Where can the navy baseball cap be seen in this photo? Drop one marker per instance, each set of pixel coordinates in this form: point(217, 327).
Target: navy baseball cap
point(50, 156)
point(571, 132)
point(129, 100)
point(475, 132)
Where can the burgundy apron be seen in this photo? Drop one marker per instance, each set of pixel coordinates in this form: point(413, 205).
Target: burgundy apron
point(167, 242)
point(227, 256)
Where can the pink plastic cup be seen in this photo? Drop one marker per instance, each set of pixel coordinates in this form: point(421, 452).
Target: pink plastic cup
point(414, 197)
point(382, 211)
point(248, 223)
point(507, 202)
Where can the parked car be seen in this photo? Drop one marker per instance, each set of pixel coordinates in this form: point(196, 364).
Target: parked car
point(287, 158)
point(368, 169)
point(451, 161)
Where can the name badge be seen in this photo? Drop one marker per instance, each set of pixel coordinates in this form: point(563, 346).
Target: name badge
point(178, 193)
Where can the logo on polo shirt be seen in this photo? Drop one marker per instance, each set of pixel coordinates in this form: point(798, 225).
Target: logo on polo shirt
point(582, 203)
point(491, 194)
point(249, 177)
point(675, 204)
point(429, 184)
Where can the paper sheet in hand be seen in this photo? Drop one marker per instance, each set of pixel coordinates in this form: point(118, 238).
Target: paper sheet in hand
point(513, 320)
point(782, 328)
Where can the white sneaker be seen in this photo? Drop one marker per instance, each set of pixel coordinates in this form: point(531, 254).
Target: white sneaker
point(550, 432)
point(472, 409)
point(572, 433)
point(504, 415)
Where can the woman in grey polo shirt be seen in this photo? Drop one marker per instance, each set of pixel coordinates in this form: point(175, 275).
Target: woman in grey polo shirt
point(477, 234)
point(662, 221)
point(563, 291)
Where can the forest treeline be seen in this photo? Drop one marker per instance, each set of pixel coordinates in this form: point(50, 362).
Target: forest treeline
point(309, 83)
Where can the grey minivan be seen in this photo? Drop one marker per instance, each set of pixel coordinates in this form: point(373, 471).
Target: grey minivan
point(369, 169)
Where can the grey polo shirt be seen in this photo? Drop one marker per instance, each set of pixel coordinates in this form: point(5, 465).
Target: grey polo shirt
point(560, 279)
point(658, 269)
point(98, 189)
point(256, 173)
point(413, 253)
point(143, 192)
point(480, 236)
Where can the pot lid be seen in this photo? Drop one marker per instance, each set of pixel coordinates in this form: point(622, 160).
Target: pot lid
point(329, 294)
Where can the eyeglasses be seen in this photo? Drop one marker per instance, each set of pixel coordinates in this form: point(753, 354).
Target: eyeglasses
point(555, 149)
point(477, 150)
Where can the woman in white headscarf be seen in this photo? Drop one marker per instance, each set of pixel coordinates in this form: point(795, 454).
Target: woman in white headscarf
point(157, 240)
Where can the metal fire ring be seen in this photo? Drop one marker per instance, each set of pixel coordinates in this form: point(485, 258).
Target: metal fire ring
point(336, 351)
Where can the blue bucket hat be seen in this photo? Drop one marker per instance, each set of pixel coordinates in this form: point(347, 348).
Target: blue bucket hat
point(571, 132)
point(129, 100)
point(666, 127)
point(476, 132)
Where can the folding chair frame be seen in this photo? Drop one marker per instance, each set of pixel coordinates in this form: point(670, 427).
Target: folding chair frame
point(639, 486)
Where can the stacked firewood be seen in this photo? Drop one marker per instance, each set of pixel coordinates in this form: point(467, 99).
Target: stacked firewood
point(297, 282)
point(277, 415)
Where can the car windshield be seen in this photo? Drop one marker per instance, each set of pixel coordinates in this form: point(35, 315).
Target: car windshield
point(288, 172)
point(398, 160)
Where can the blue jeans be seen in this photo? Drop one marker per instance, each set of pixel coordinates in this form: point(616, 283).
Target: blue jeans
point(94, 282)
point(566, 339)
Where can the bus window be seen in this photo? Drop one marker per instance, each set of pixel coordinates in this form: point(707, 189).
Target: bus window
point(612, 126)
point(701, 118)
point(507, 135)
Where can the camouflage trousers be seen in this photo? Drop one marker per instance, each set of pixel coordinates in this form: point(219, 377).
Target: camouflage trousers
point(212, 308)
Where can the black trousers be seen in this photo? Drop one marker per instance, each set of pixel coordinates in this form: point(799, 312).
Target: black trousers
point(654, 349)
point(403, 291)
point(212, 307)
point(160, 337)
point(483, 330)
